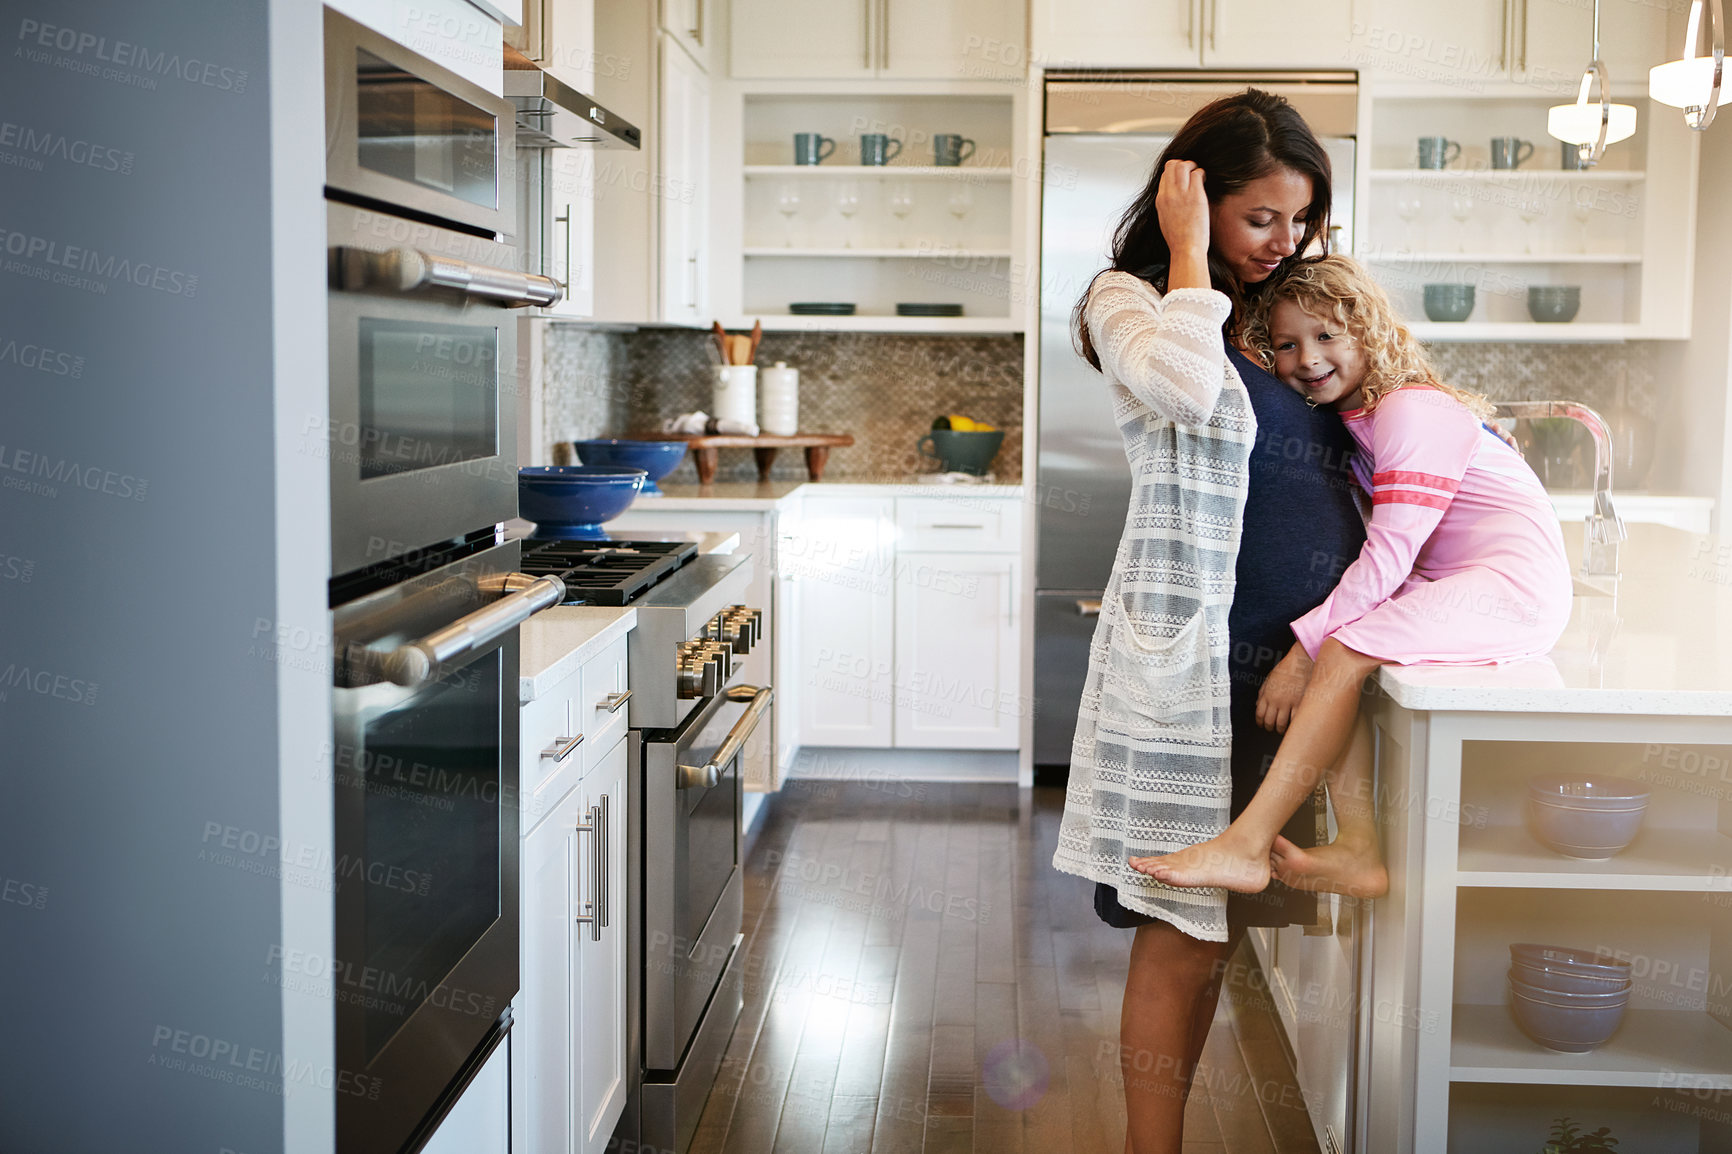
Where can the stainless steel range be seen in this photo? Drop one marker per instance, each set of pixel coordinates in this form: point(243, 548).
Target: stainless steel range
point(690, 718)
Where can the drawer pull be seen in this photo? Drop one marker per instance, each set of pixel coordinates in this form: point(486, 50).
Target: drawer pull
point(613, 701)
point(562, 748)
point(956, 526)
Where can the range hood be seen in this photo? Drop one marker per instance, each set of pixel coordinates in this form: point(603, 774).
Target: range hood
point(552, 114)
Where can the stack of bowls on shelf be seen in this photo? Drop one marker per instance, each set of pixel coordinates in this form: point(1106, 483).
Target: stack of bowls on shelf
point(1589, 818)
point(1567, 1000)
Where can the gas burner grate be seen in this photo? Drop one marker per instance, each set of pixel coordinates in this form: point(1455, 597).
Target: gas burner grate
point(606, 572)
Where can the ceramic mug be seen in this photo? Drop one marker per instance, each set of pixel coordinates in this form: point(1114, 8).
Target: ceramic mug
point(1570, 157)
point(950, 149)
point(809, 148)
point(1510, 151)
point(877, 148)
point(1437, 152)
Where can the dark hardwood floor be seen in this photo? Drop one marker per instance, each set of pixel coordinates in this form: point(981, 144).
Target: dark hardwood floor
point(919, 978)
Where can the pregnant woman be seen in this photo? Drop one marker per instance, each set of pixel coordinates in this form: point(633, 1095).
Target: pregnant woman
point(1241, 520)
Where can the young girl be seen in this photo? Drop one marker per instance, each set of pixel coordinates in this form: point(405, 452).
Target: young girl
point(1463, 563)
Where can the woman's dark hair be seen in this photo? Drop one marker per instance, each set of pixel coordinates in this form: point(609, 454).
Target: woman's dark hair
point(1234, 140)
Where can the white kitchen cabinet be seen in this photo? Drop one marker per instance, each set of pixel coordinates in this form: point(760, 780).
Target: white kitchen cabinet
point(601, 976)
point(1537, 47)
point(801, 39)
point(856, 39)
point(952, 39)
point(957, 663)
point(688, 21)
point(569, 1086)
point(1192, 33)
point(559, 35)
point(480, 1120)
point(899, 647)
point(682, 193)
point(839, 555)
point(570, 184)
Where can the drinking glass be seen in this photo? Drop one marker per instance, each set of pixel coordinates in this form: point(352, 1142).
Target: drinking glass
point(848, 203)
point(1582, 208)
point(901, 204)
point(961, 201)
point(1529, 209)
point(1408, 208)
point(788, 203)
point(1461, 208)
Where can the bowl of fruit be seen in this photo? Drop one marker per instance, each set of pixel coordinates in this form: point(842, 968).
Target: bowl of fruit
point(961, 445)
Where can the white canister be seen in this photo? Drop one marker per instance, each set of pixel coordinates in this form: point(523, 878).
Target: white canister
point(781, 402)
point(736, 394)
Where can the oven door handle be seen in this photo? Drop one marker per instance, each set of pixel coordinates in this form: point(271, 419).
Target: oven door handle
point(406, 270)
point(415, 663)
point(709, 774)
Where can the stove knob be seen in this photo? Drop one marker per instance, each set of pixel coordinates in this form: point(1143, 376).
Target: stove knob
point(737, 633)
point(753, 617)
point(722, 655)
point(689, 680)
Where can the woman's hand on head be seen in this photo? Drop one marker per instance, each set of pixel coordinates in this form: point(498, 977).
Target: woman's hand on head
point(1183, 208)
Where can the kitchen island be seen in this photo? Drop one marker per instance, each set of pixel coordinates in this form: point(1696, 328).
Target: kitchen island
point(1639, 686)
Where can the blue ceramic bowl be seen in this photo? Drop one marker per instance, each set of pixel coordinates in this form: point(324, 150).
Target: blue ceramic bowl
point(1562, 981)
point(1559, 1025)
point(1569, 960)
point(570, 502)
point(1592, 818)
point(657, 458)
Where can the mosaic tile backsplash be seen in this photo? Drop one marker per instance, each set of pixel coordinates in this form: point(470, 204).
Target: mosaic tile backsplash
point(882, 388)
point(885, 389)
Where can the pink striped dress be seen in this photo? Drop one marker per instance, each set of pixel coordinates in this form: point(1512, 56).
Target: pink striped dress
point(1463, 559)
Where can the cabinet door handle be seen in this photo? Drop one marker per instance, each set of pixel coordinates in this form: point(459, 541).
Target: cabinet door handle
point(697, 29)
point(1191, 23)
point(613, 701)
point(597, 868)
point(866, 34)
point(604, 894)
point(561, 748)
point(884, 34)
point(939, 526)
point(1503, 35)
point(565, 219)
point(1214, 19)
point(1522, 60)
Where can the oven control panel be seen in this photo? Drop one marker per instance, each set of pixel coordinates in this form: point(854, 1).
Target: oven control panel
point(707, 661)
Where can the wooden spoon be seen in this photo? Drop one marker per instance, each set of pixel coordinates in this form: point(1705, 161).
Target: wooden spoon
point(757, 336)
point(721, 336)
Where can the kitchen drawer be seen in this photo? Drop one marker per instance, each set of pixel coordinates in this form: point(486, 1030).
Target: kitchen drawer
point(579, 704)
point(602, 727)
point(958, 525)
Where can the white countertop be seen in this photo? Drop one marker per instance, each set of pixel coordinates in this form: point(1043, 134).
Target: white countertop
point(557, 641)
point(1662, 646)
point(731, 495)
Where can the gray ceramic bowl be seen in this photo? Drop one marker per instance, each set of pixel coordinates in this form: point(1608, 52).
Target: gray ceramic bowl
point(1568, 997)
point(1562, 981)
point(1573, 1029)
point(1592, 818)
point(1568, 959)
point(1553, 304)
point(1448, 302)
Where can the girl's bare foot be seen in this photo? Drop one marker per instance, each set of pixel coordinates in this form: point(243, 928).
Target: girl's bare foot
point(1221, 861)
point(1341, 867)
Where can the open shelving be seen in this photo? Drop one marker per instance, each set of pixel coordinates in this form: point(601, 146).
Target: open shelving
point(1621, 231)
point(955, 243)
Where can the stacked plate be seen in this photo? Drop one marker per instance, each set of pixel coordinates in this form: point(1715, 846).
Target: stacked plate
point(1589, 818)
point(822, 308)
point(1565, 999)
point(928, 310)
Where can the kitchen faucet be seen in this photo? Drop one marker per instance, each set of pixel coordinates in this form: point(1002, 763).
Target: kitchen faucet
point(1605, 529)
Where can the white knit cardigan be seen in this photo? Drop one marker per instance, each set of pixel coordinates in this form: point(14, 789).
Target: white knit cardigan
point(1150, 770)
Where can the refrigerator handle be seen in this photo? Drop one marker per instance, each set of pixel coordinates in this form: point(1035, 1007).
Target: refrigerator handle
point(1088, 606)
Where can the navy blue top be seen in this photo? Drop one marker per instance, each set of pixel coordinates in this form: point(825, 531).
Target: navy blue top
point(1301, 526)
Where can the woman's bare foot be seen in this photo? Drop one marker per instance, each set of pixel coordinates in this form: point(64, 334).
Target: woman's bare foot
point(1342, 867)
point(1221, 861)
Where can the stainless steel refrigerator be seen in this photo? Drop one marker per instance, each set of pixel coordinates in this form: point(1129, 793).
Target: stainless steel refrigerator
point(1103, 135)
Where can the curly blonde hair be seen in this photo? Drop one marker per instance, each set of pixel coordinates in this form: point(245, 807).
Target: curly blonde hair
point(1337, 289)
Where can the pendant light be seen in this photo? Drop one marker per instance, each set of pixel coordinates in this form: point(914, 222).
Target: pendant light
point(1590, 127)
point(1695, 83)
